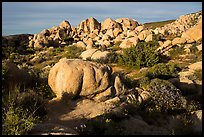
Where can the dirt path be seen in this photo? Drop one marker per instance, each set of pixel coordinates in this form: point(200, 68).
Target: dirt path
point(72, 113)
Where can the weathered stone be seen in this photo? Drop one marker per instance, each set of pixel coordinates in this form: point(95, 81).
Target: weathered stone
point(119, 87)
point(178, 41)
point(65, 24)
point(51, 129)
point(195, 66)
point(117, 31)
point(110, 24)
point(139, 28)
point(149, 38)
point(194, 33)
point(89, 25)
point(144, 34)
point(88, 42)
point(88, 53)
point(128, 43)
point(81, 44)
point(76, 77)
point(127, 24)
point(100, 55)
point(199, 47)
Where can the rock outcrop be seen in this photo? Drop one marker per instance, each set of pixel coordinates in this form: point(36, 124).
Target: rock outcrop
point(89, 25)
point(127, 24)
point(194, 33)
point(75, 77)
point(182, 24)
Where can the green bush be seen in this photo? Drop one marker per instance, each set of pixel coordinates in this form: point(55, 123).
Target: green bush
point(44, 90)
point(163, 71)
point(115, 47)
point(68, 39)
point(165, 97)
point(18, 119)
point(4, 72)
point(193, 49)
point(144, 82)
point(6, 51)
point(71, 52)
point(32, 102)
point(141, 55)
point(176, 51)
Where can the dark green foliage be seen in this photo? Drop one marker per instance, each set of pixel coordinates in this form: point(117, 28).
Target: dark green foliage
point(68, 39)
point(6, 52)
point(144, 82)
point(71, 52)
point(44, 90)
point(193, 49)
point(128, 82)
point(165, 97)
point(17, 121)
point(19, 112)
point(163, 71)
point(4, 73)
point(32, 102)
point(101, 125)
point(141, 55)
point(176, 51)
point(158, 37)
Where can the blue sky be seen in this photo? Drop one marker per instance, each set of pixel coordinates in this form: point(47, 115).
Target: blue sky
point(32, 17)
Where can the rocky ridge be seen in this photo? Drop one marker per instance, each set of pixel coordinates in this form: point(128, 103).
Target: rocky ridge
point(86, 89)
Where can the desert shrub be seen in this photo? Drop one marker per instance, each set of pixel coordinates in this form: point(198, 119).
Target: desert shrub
point(4, 73)
point(39, 86)
point(101, 125)
point(18, 119)
point(193, 105)
point(29, 51)
point(176, 51)
point(127, 81)
point(143, 82)
point(195, 57)
point(32, 102)
point(193, 49)
point(163, 71)
point(68, 39)
point(115, 47)
point(165, 97)
point(44, 90)
point(158, 37)
point(141, 55)
point(72, 52)
point(6, 51)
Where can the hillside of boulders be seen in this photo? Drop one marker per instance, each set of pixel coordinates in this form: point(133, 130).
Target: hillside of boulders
point(116, 77)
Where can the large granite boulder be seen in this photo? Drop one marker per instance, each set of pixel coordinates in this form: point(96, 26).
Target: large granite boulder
point(77, 77)
point(89, 25)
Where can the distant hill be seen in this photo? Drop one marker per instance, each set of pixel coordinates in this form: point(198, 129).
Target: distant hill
point(154, 25)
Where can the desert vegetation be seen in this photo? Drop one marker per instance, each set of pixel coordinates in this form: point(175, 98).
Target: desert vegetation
point(104, 79)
